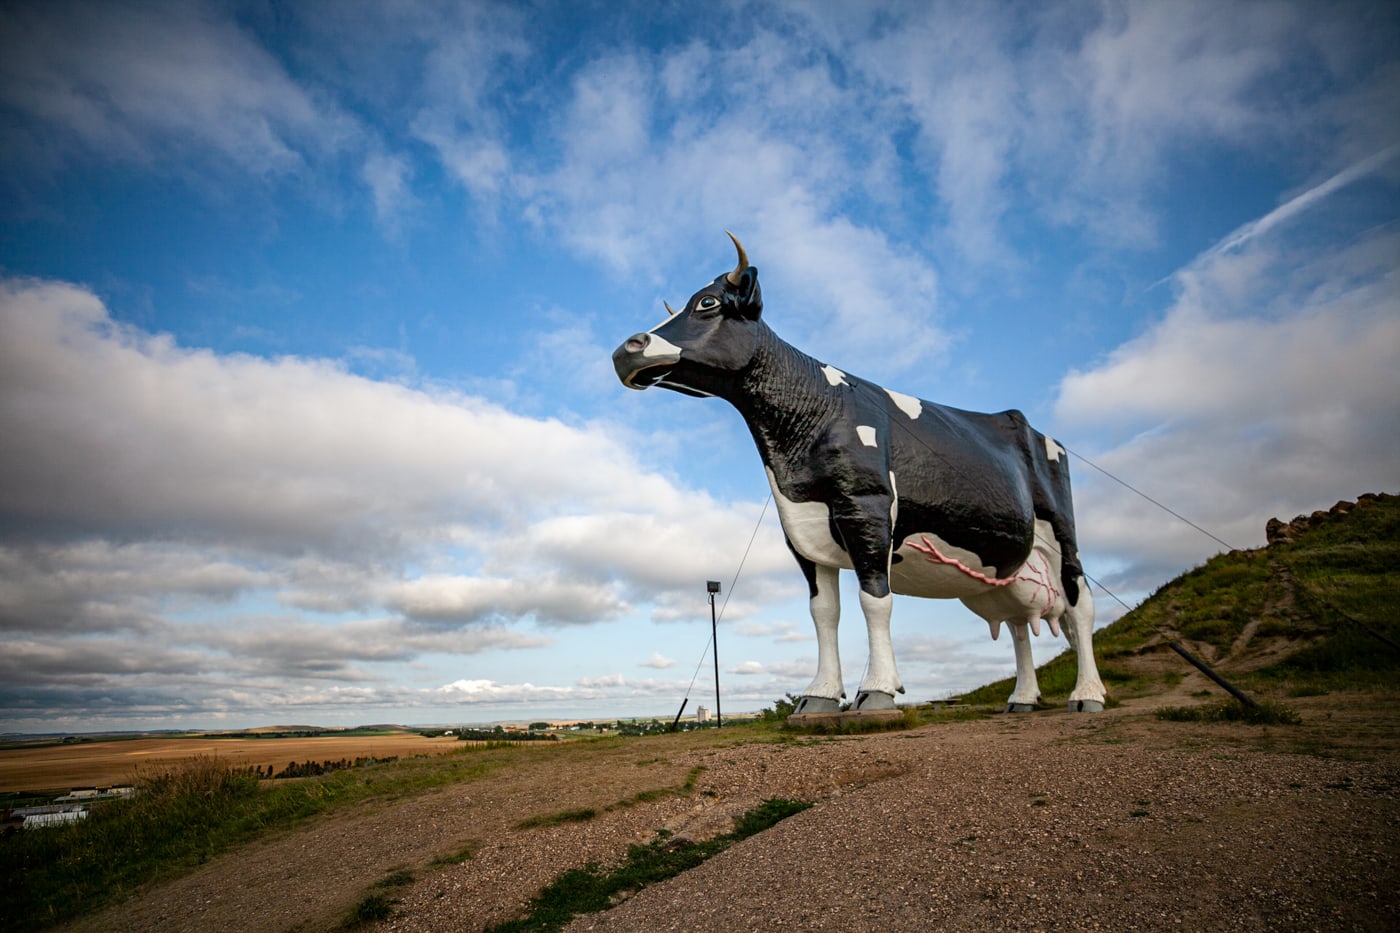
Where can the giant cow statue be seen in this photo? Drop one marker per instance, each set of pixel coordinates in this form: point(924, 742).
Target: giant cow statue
point(916, 498)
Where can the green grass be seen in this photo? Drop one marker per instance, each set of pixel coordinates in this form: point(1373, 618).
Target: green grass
point(1266, 713)
point(1330, 592)
point(584, 814)
point(183, 817)
point(1347, 576)
point(378, 904)
point(592, 889)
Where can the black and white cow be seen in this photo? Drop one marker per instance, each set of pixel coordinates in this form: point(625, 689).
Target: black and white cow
point(916, 498)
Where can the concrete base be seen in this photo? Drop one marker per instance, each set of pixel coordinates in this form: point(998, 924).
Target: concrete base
point(1085, 706)
point(835, 719)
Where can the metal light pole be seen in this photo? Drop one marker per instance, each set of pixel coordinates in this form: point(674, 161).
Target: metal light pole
point(712, 586)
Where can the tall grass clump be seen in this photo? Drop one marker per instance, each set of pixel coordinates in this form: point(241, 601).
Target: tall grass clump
point(180, 818)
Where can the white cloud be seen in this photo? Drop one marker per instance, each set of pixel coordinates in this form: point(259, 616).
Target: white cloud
point(147, 80)
point(1269, 388)
point(441, 599)
point(116, 431)
point(154, 492)
point(658, 661)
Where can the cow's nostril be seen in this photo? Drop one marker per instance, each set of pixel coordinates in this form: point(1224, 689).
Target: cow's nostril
point(638, 343)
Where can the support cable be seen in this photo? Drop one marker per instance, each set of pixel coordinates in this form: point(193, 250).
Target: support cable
point(1159, 505)
point(710, 641)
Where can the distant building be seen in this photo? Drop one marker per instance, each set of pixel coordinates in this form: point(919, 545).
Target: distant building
point(702, 714)
point(40, 817)
point(79, 794)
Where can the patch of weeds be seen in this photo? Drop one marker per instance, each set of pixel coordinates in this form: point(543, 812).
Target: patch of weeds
point(372, 908)
point(377, 905)
point(396, 879)
point(463, 854)
point(1266, 713)
point(592, 889)
point(577, 815)
point(1139, 813)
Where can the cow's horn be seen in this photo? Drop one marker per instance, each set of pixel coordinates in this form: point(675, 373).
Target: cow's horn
point(669, 310)
point(733, 277)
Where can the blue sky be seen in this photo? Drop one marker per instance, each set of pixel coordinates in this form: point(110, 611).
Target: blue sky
point(306, 313)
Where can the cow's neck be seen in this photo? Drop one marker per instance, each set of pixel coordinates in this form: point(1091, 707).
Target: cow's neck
point(785, 399)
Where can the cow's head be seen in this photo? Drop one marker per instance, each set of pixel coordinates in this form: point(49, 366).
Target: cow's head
point(699, 350)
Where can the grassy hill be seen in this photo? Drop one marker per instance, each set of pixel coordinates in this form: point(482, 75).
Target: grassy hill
point(1313, 612)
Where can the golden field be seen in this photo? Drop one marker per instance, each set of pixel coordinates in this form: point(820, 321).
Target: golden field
point(103, 763)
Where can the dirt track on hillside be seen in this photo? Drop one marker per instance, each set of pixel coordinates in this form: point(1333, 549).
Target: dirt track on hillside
point(1038, 821)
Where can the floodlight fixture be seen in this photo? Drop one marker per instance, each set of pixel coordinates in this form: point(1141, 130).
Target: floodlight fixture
point(712, 587)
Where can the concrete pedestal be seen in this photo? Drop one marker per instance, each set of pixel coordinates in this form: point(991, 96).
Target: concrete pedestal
point(805, 720)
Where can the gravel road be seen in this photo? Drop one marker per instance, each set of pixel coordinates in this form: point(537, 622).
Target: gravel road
point(1044, 821)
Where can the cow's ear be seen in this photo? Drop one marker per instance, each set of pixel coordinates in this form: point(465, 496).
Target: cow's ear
point(748, 297)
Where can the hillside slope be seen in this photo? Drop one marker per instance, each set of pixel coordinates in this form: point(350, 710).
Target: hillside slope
point(1313, 611)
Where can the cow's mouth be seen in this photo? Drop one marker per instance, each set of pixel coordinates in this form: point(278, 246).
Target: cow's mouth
point(647, 376)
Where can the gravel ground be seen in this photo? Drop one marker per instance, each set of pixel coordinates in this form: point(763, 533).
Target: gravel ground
point(1033, 822)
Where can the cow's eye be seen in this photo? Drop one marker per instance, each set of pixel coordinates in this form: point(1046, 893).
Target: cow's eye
point(708, 303)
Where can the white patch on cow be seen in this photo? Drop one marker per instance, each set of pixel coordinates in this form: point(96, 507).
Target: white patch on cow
point(906, 403)
point(894, 503)
point(808, 526)
point(866, 434)
point(1053, 449)
point(834, 375)
point(661, 348)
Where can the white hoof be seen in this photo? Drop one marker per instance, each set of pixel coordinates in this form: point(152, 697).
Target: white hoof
point(1086, 706)
point(1020, 707)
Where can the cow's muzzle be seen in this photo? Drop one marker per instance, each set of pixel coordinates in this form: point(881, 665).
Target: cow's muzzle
point(644, 359)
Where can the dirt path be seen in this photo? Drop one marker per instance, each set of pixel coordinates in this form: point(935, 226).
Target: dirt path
point(1040, 821)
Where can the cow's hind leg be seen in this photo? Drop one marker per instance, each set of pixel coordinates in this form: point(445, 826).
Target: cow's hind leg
point(1027, 692)
point(1088, 695)
point(824, 693)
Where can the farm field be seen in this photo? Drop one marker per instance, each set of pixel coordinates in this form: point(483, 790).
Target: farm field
point(103, 763)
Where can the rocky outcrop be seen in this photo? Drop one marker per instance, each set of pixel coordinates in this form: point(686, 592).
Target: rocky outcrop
point(1281, 532)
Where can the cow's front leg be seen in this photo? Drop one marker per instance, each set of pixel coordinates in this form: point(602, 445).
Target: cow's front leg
point(881, 681)
point(1027, 693)
point(824, 693)
point(866, 529)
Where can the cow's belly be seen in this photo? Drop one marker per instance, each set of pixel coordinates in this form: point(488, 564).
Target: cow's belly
point(954, 574)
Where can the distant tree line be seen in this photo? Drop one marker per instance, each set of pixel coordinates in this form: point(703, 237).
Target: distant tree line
point(300, 769)
point(499, 734)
